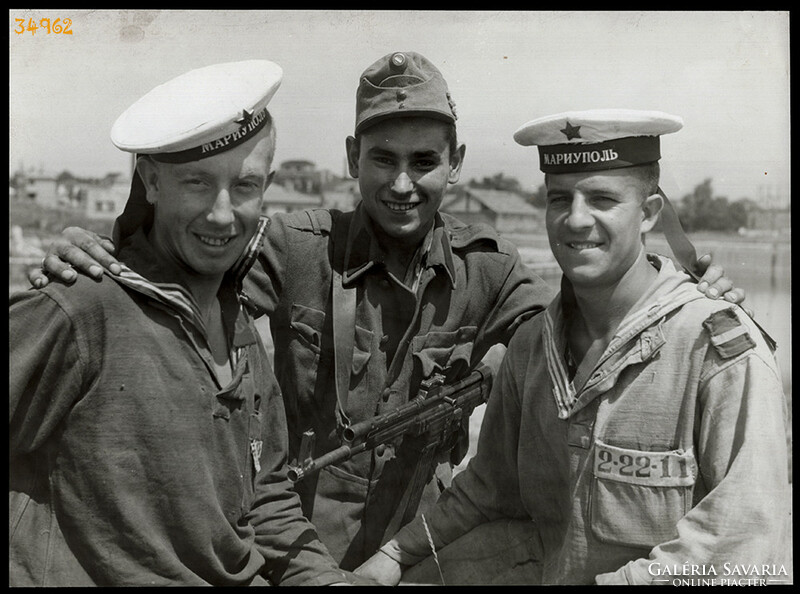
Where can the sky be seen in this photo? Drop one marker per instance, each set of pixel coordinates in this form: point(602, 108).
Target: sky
point(726, 73)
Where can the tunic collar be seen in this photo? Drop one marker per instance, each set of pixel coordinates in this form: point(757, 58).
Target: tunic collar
point(363, 251)
point(670, 290)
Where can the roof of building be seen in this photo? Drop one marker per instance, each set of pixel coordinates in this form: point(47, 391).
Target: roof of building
point(295, 162)
point(499, 201)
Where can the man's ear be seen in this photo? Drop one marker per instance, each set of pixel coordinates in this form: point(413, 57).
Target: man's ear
point(456, 162)
point(270, 177)
point(651, 209)
point(148, 172)
point(353, 148)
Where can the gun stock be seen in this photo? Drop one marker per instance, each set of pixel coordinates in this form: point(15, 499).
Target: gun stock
point(436, 410)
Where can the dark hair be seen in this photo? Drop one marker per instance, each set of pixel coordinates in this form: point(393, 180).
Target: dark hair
point(452, 138)
point(650, 175)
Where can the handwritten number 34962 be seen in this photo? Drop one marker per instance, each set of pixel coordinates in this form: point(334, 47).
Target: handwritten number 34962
point(56, 27)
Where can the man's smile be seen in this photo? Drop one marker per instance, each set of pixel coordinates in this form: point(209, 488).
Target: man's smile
point(400, 206)
point(213, 241)
point(583, 245)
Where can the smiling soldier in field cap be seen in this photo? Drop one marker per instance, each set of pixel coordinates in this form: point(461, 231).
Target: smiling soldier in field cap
point(635, 433)
point(366, 305)
point(148, 440)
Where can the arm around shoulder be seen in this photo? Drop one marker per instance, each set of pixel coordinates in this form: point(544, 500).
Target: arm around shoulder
point(75, 249)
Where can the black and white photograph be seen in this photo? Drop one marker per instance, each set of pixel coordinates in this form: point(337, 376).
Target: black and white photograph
point(399, 297)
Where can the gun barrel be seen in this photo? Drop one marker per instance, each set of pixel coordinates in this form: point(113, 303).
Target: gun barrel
point(408, 410)
point(481, 374)
point(343, 452)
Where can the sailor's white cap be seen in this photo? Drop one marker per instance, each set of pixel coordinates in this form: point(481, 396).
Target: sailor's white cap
point(597, 139)
point(200, 113)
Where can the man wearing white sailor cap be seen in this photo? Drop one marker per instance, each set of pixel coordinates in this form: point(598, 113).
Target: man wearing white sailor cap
point(636, 430)
point(147, 435)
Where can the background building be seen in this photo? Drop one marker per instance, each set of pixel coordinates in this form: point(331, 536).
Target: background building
point(507, 212)
point(282, 199)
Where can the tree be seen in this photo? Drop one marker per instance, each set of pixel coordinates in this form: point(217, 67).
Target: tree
point(539, 198)
point(65, 177)
point(738, 212)
point(701, 210)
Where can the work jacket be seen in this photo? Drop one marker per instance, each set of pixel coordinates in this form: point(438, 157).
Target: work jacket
point(668, 454)
point(130, 462)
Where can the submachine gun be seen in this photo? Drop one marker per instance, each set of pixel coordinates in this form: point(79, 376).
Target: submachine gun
point(434, 414)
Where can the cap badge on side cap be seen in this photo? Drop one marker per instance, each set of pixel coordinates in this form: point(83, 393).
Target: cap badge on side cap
point(571, 131)
point(398, 59)
point(402, 84)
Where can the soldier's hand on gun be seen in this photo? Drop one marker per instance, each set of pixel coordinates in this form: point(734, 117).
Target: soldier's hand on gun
point(75, 250)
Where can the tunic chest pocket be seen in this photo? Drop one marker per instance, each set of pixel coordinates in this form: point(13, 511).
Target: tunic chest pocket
point(437, 351)
point(305, 344)
point(638, 496)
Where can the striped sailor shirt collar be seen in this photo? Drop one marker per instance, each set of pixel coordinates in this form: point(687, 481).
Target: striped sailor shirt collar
point(147, 274)
point(668, 292)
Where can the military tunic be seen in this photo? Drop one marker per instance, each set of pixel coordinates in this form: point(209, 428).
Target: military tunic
point(671, 452)
point(130, 462)
point(473, 291)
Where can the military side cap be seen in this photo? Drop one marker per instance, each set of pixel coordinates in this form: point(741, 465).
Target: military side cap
point(402, 84)
point(598, 139)
point(200, 113)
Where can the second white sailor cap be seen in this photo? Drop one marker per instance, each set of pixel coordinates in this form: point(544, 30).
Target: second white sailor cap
point(200, 113)
point(597, 139)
